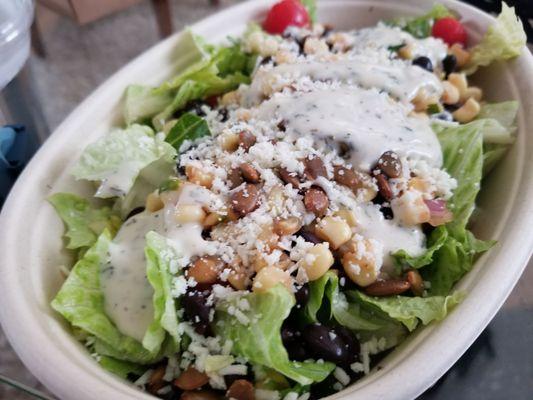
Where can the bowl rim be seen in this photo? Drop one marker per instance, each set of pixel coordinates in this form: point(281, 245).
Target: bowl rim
point(98, 381)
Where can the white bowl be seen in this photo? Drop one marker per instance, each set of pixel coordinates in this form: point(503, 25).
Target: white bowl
point(31, 249)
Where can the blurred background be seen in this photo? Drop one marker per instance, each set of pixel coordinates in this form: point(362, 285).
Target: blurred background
point(77, 44)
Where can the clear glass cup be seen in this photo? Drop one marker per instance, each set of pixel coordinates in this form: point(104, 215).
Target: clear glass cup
point(16, 17)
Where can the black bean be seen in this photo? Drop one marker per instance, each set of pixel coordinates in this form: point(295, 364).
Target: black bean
point(302, 295)
point(292, 341)
point(223, 112)
point(135, 211)
point(387, 212)
point(324, 343)
point(197, 310)
point(351, 344)
point(265, 60)
point(424, 62)
point(308, 236)
point(449, 64)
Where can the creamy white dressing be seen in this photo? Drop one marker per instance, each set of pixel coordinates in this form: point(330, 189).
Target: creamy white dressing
point(127, 292)
point(384, 37)
point(400, 80)
point(390, 233)
point(369, 121)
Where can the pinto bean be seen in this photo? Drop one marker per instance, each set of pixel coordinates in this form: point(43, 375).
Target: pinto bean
point(346, 177)
point(235, 178)
point(156, 379)
point(384, 187)
point(249, 173)
point(241, 389)
point(416, 282)
point(314, 167)
point(245, 200)
point(289, 177)
point(246, 140)
point(200, 395)
point(316, 201)
point(389, 163)
point(191, 379)
point(390, 287)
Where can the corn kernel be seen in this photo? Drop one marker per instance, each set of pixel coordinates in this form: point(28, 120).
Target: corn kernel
point(189, 213)
point(317, 261)
point(336, 231)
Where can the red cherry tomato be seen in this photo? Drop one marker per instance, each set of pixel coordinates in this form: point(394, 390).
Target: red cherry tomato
point(285, 13)
point(450, 30)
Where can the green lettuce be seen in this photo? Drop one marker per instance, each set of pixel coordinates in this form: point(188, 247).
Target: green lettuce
point(420, 27)
point(310, 6)
point(142, 103)
point(214, 70)
point(121, 368)
point(117, 159)
point(259, 339)
point(328, 305)
point(187, 127)
point(84, 223)
point(498, 132)
point(410, 310)
point(159, 258)
point(81, 302)
point(452, 248)
point(435, 241)
point(504, 40)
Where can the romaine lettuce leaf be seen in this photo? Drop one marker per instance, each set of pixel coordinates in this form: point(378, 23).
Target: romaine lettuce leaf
point(462, 150)
point(410, 310)
point(159, 257)
point(451, 254)
point(223, 71)
point(310, 6)
point(84, 223)
point(453, 260)
point(436, 240)
point(500, 122)
point(504, 39)
point(121, 368)
point(81, 301)
point(118, 158)
point(498, 131)
point(214, 70)
point(142, 102)
point(188, 127)
point(257, 336)
point(345, 308)
point(420, 27)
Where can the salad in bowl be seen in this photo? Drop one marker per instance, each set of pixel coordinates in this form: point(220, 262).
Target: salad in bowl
point(274, 219)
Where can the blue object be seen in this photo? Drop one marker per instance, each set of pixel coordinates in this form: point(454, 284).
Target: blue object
point(13, 156)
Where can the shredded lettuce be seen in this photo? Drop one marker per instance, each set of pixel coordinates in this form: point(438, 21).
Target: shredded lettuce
point(117, 159)
point(256, 333)
point(420, 27)
point(159, 258)
point(410, 310)
point(504, 40)
point(187, 127)
point(84, 223)
point(81, 301)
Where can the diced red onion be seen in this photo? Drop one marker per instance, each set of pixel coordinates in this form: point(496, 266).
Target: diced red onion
point(439, 213)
